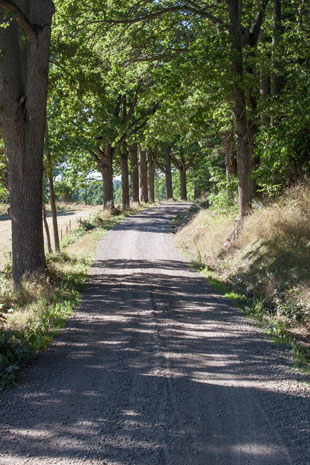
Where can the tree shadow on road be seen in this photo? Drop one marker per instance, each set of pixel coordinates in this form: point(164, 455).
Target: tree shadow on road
point(156, 368)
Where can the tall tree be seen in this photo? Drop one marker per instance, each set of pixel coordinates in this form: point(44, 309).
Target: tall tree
point(228, 18)
point(183, 160)
point(24, 67)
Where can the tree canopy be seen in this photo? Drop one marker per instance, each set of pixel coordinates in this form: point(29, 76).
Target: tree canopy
point(215, 91)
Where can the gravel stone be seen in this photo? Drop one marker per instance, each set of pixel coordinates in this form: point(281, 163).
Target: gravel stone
point(156, 368)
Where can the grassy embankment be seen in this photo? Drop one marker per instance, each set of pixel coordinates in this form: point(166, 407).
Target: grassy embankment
point(31, 319)
point(265, 270)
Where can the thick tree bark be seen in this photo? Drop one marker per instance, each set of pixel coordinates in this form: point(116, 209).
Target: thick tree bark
point(168, 174)
point(241, 36)
point(23, 93)
point(183, 183)
point(143, 176)
point(104, 161)
point(53, 202)
point(182, 166)
point(134, 175)
point(125, 177)
point(243, 162)
point(152, 156)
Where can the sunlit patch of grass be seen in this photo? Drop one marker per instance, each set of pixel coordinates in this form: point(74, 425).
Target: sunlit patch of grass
point(204, 235)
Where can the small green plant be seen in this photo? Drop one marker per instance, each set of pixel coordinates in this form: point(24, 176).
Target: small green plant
point(48, 307)
point(226, 196)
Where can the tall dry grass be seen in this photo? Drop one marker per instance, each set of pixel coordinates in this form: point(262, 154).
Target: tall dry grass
point(204, 236)
point(271, 255)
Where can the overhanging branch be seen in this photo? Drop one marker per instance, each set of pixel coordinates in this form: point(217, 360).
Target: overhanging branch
point(94, 155)
point(259, 21)
point(20, 17)
point(155, 57)
point(186, 6)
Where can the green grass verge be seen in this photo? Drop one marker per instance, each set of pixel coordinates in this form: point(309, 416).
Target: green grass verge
point(42, 308)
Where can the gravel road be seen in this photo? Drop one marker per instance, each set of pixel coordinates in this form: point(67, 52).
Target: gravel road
point(155, 368)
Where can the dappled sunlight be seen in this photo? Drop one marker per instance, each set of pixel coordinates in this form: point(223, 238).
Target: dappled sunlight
point(256, 451)
point(156, 368)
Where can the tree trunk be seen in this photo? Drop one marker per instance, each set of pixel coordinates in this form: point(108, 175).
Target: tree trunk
point(134, 172)
point(183, 183)
point(23, 93)
point(168, 175)
point(104, 161)
point(143, 176)
point(53, 202)
point(125, 177)
point(152, 166)
point(108, 200)
point(243, 162)
point(47, 231)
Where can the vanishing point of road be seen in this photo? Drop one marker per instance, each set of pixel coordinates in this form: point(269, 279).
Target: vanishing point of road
point(155, 368)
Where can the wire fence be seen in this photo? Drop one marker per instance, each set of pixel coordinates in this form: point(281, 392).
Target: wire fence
point(65, 228)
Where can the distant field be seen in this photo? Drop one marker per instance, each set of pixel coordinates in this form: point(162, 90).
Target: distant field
point(66, 213)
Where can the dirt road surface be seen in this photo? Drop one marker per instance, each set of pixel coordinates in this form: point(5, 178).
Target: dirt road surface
point(155, 368)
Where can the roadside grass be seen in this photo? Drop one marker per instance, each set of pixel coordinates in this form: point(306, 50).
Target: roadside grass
point(30, 319)
point(265, 269)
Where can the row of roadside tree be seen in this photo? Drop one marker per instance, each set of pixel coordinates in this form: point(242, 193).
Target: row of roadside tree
point(217, 88)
